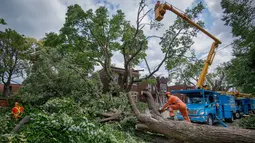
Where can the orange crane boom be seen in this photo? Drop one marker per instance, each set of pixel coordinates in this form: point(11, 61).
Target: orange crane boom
point(160, 10)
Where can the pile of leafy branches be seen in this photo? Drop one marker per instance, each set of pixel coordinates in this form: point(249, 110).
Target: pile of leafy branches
point(247, 123)
point(6, 124)
point(61, 120)
point(64, 103)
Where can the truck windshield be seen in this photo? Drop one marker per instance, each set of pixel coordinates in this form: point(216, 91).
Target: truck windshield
point(195, 100)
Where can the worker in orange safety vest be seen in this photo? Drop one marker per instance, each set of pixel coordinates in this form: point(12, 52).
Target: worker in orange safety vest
point(175, 104)
point(17, 110)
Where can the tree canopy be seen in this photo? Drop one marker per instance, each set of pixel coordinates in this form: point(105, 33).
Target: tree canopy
point(14, 50)
point(240, 15)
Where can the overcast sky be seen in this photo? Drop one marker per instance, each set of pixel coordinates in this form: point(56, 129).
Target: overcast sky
point(34, 18)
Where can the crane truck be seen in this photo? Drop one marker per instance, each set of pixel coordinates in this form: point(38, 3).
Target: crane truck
point(245, 103)
point(203, 105)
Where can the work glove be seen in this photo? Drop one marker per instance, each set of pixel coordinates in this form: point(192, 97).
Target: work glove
point(170, 118)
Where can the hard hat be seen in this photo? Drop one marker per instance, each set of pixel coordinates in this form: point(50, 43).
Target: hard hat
point(167, 94)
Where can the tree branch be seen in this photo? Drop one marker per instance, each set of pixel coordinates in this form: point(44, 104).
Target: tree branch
point(185, 78)
point(140, 19)
point(151, 105)
point(92, 33)
point(147, 66)
point(161, 63)
point(135, 54)
point(153, 36)
point(99, 61)
point(104, 48)
point(124, 52)
point(25, 120)
point(141, 7)
point(133, 105)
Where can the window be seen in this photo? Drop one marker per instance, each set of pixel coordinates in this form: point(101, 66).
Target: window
point(195, 100)
point(211, 100)
point(163, 87)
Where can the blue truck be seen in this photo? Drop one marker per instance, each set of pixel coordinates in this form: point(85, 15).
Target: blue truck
point(207, 106)
point(245, 106)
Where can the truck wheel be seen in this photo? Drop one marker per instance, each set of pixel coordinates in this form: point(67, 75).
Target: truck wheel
point(209, 120)
point(237, 115)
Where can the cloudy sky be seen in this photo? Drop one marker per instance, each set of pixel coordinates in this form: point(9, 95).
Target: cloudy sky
point(34, 18)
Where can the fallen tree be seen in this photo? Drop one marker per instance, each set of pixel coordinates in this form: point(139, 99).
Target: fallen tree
point(184, 131)
point(114, 116)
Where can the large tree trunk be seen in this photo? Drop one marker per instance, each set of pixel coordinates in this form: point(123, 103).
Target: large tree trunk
point(6, 91)
point(184, 131)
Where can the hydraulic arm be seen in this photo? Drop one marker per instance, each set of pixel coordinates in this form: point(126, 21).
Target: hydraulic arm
point(160, 10)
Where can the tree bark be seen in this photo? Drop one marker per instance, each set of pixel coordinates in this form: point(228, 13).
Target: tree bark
point(6, 91)
point(111, 116)
point(155, 138)
point(188, 132)
point(115, 115)
point(21, 123)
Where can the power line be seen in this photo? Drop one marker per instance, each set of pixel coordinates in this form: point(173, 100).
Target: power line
point(224, 47)
point(217, 50)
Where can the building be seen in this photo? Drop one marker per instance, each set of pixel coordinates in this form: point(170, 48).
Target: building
point(14, 88)
point(144, 85)
point(157, 90)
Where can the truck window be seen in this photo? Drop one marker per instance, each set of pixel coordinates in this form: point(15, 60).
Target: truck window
point(195, 100)
point(211, 100)
point(192, 98)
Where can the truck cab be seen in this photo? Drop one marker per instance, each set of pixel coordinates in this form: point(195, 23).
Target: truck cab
point(206, 106)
